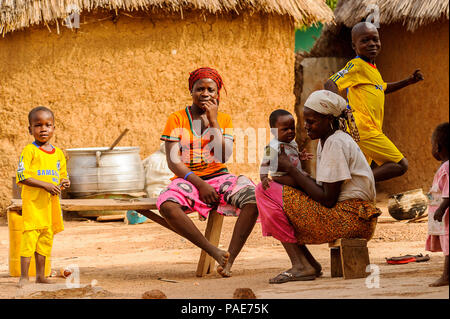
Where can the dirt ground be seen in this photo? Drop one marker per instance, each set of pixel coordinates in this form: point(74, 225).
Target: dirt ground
point(124, 261)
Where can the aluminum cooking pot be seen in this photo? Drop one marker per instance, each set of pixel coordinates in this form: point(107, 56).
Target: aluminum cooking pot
point(96, 170)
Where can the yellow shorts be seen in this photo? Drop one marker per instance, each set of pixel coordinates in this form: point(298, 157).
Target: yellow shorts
point(380, 149)
point(37, 240)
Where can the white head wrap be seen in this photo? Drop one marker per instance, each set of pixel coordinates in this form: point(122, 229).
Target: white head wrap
point(326, 102)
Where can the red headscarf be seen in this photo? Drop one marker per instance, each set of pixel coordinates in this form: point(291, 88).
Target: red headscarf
point(203, 73)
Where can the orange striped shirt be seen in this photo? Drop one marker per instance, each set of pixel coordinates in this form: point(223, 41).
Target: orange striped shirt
point(196, 153)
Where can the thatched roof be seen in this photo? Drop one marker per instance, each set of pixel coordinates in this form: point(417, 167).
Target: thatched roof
point(411, 13)
point(19, 14)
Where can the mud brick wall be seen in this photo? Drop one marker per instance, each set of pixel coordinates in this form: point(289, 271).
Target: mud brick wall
point(412, 113)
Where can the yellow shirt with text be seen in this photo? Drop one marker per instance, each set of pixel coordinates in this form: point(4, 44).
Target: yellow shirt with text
point(365, 94)
point(40, 209)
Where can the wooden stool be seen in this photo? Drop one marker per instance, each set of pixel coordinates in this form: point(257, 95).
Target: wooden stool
point(212, 233)
point(349, 258)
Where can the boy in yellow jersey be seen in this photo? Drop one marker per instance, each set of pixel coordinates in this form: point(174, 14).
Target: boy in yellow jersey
point(365, 94)
point(42, 174)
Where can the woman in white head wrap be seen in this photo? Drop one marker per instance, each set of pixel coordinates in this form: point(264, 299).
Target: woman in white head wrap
point(338, 203)
point(328, 103)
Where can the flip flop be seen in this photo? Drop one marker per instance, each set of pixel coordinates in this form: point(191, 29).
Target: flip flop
point(407, 259)
point(287, 276)
point(400, 260)
point(134, 217)
point(421, 258)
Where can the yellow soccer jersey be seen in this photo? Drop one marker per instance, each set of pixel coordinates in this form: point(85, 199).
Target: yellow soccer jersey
point(365, 95)
point(40, 209)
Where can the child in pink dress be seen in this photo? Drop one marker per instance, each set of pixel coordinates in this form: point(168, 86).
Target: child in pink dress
point(438, 209)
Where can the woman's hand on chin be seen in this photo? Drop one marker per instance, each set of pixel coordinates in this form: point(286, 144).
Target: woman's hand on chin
point(211, 108)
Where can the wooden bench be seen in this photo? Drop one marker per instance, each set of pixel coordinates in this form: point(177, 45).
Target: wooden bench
point(212, 232)
point(349, 258)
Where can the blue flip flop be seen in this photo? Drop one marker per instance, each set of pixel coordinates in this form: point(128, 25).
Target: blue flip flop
point(134, 217)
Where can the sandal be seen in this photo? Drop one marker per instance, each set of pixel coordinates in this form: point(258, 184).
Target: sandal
point(421, 258)
point(407, 259)
point(287, 276)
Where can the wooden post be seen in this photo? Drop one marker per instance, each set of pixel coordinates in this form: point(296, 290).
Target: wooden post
point(212, 234)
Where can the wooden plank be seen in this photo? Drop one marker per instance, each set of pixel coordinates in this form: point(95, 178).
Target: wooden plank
point(108, 204)
point(212, 233)
point(353, 242)
point(354, 261)
point(110, 218)
point(97, 204)
point(348, 242)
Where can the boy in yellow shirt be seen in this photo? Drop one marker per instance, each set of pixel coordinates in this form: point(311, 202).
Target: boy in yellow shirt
point(42, 174)
point(365, 94)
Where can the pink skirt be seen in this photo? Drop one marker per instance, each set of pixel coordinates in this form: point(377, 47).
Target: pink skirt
point(437, 243)
point(227, 186)
point(274, 221)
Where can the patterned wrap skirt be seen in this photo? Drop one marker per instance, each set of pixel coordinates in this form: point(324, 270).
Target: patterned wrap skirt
point(234, 192)
point(291, 216)
point(317, 224)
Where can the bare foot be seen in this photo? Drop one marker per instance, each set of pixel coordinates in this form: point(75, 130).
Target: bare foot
point(43, 280)
point(224, 271)
point(317, 266)
point(440, 282)
point(23, 282)
point(306, 271)
point(221, 256)
point(318, 269)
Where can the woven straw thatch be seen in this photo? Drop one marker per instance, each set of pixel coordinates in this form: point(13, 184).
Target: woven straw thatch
point(18, 14)
point(411, 13)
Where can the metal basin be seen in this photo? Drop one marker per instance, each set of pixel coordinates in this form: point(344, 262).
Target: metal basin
point(95, 170)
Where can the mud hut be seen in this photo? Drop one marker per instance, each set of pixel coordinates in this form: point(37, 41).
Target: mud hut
point(414, 34)
point(104, 66)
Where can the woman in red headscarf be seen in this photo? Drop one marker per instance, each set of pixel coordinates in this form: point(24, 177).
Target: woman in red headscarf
point(199, 141)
